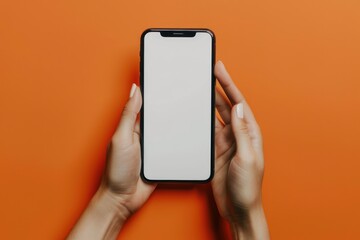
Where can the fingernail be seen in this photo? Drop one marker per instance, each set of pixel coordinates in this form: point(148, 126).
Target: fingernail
point(132, 91)
point(240, 110)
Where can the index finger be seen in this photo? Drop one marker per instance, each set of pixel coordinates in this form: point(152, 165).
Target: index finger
point(227, 83)
point(235, 96)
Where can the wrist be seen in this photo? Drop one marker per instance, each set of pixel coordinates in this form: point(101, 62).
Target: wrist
point(102, 219)
point(109, 204)
point(249, 223)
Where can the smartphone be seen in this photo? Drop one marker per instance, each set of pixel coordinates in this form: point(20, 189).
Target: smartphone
point(178, 112)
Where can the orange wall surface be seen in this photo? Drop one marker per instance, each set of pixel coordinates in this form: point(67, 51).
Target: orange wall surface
point(66, 68)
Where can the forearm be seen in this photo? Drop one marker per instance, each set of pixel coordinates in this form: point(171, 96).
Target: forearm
point(250, 224)
point(102, 219)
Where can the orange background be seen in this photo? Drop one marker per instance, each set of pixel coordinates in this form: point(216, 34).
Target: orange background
point(66, 68)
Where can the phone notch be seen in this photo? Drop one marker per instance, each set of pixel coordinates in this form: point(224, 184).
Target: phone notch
point(185, 33)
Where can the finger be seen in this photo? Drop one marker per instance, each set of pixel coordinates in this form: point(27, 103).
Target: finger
point(227, 83)
point(231, 90)
point(223, 106)
point(235, 96)
point(244, 147)
point(137, 129)
point(224, 141)
point(218, 124)
point(124, 132)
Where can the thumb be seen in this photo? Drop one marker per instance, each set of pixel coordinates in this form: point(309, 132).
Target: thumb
point(244, 147)
point(124, 132)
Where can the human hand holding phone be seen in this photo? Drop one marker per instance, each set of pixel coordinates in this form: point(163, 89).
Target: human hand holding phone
point(121, 176)
point(239, 163)
point(121, 191)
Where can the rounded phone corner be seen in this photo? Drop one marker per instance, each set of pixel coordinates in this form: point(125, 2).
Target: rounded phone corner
point(146, 31)
point(210, 32)
point(211, 176)
point(145, 179)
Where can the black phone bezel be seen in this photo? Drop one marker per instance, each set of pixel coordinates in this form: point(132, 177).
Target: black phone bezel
point(178, 32)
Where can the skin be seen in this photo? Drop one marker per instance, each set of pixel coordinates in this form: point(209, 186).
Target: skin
point(236, 185)
point(239, 164)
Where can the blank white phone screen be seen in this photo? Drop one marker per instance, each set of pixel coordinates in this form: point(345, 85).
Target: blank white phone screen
point(177, 107)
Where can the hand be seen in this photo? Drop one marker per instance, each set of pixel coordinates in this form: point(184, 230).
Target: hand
point(122, 175)
point(122, 191)
point(239, 163)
